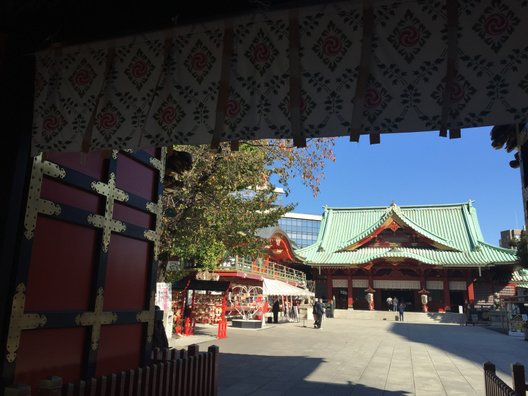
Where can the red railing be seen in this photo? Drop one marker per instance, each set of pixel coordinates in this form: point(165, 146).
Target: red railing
point(266, 268)
point(172, 372)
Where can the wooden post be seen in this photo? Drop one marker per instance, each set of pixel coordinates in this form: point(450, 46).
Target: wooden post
point(447, 297)
point(488, 366)
point(350, 301)
point(489, 370)
point(329, 285)
point(519, 382)
point(193, 350)
point(213, 350)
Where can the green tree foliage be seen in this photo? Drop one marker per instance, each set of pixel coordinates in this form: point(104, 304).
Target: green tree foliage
point(505, 136)
point(522, 249)
point(214, 210)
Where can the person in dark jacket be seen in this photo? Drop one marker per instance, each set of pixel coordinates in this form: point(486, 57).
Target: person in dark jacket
point(318, 312)
point(275, 309)
point(159, 339)
point(401, 309)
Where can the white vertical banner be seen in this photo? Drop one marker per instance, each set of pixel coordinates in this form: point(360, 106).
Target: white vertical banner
point(164, 301)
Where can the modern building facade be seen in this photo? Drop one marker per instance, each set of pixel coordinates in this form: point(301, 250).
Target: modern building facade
point(302, 229)
point(509, 238)
point(432, 257)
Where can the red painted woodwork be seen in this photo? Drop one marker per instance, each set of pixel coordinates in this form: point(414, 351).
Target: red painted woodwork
point(61, 268)
point(126, 276)
point(280, 249)
point(471, 292)
point(63, 275)
point(133, 216)
point(350, 297)
point(91, 163)
point(134, 177)
point(47, 352)
point(119, 348)
point(61, 193)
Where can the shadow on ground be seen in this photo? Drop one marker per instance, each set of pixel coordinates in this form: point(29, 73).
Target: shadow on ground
point(283, 375)
point(475, 344)
point(447, 317)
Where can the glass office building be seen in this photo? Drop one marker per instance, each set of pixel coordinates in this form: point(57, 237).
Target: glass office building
point(302, 229)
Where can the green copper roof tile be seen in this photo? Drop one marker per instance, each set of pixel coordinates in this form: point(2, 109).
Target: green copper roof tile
point(454, 225)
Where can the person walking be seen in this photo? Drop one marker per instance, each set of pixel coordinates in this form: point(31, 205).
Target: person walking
point(295, 310)
point(395, 304)
point(401, 309)
point(275, 309)
point(318, 313)
point(389, 303)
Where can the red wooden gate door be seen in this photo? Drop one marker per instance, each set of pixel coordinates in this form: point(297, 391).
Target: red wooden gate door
point(83, 298)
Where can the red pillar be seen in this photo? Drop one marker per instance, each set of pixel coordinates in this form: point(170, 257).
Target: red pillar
point(423, 284)
point(329, 285)
point(470, 287)
point(447, 298)
point(350, 297)
point(371, 287)
point(470, 292)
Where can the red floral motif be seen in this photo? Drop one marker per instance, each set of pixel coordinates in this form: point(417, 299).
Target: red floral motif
point(456, 92)
point(373, 98)
point(332, 46)
point(82, 77)
point(107, 120)
point(232, 108)
point(168, 114)
point(496, 24)
point(52, 123)
point(199, 61)
point(409, 36)
point(139, 69)
point(261, 52)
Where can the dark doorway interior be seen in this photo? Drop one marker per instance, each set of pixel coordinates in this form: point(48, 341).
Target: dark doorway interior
point(406, 296)
point(457, 298)
point(341, 297)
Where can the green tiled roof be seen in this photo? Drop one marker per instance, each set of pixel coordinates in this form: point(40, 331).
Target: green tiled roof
point(520, 277)
point(453, 226)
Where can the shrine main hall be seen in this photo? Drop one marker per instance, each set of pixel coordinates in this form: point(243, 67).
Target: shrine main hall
point(364, 255)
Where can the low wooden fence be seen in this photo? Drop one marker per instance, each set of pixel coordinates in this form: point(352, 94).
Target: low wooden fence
point(172, 372)
point(497, 387)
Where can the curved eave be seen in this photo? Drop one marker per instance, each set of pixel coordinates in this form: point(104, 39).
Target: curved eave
point(439, 258)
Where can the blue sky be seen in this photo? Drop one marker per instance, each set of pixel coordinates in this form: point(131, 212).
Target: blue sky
point(421, 168)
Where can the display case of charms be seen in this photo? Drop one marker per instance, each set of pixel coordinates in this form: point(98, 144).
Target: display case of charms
point(208, 306)
point(178, 304)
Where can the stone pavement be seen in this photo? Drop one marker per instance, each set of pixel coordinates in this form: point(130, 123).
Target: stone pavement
point(361, 357)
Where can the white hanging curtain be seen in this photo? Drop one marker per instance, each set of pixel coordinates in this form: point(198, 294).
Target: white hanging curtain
point(325, 70)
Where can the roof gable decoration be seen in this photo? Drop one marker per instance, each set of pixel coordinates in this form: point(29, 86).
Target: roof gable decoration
point(394, 219)
point(280, 73)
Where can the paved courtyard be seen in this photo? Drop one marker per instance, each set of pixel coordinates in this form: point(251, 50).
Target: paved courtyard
point(363, 357)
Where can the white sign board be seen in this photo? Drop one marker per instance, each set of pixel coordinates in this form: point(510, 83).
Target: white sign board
point(163, 300)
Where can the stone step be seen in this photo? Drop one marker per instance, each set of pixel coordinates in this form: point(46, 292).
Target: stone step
point(409, 317)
